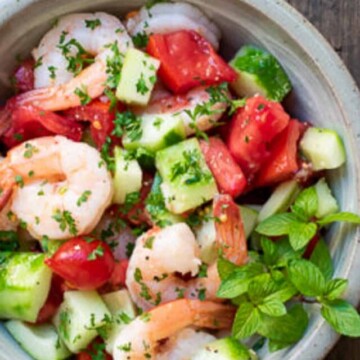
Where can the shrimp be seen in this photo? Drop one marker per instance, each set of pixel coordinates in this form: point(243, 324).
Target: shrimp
point(62, 187)
point(164, 258)
point(139, 339)
point(165, 18)
point(184, 345)
point(62, 53)
point(186, 107)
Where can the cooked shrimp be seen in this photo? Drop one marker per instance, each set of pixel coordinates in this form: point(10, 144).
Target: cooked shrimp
point(139, 339)
point(185, 107)
point(156, 272)
point(62, 187)
point(59, 74)
point(165, 18)
point(184, 344)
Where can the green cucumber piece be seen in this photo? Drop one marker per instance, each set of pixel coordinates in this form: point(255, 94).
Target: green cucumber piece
point(187, 180)
point(122, 310)
point(127, 176)
point(259, 72)
point(24, 285)
point(249, 218)
point(280, 200)
point(138, 77)
point(39, 341)
point(78, 317)
point(327, 204)
point(224, 349)
point(324, 148)
point(158, 132)
point(155, 206)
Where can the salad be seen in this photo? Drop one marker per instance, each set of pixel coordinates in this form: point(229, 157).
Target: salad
point(157, 201)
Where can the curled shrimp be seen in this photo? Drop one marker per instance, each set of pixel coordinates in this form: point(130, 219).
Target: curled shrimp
point(169, 17)
point(163, 259)
point(196, 110)
point(62, 54)
point(140, 339)
point(62, 187)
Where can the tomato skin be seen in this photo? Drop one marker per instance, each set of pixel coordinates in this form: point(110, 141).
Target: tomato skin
point(85, 265)
point(29, 122)
point(251, 131)
point(95, 350)
point(228, 174)
point(188, 60)
point(24, 76)
point(282, 164)
point(118, 276)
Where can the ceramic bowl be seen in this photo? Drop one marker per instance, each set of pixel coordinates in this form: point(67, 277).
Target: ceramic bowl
point(324, 93)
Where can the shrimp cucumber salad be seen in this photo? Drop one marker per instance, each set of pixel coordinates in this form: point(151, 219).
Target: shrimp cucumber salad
point(158, 201)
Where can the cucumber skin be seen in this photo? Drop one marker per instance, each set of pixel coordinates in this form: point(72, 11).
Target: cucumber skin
point(266, 71)
point(24, 285)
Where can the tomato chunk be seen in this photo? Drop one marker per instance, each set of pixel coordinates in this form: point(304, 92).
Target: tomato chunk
point(251, 131)
point(228, 174)
point(282, 164)
point(119, 274)
point(188, 60)
point(29, 122)
point(85, 264)
point(23, 77)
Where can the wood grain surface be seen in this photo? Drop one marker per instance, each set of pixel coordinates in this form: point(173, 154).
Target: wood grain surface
point(339, 22)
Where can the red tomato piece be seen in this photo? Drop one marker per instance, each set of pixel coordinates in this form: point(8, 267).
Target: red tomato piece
point(29, 122)
point(84, 264)
point(228, 174)
point(252, 129)
point(101, 117)
point(188, 60)
point(282, 164)
point(96, 350)
point(24, 76)
point(55, 298)
point(119, 274)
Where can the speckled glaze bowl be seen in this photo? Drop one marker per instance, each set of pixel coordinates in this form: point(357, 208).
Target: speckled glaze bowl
point(324, 93)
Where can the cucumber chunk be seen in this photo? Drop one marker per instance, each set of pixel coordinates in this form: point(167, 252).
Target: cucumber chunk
point(155, 206)
point(78, 317)
point(327, 204)
point(224, 349)
point(259, 73)
point(138, 77)
point(157, 133)
point(127, 177)
point(24, 285)
point(280, 200)
point(39, 341)
point(249, 218)
point(324, 148)
point(187, 180)
point(122, 310)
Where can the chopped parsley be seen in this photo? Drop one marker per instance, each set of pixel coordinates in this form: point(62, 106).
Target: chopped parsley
point(83, 198)
point(157, 123)
point(96, 253)
point(141, 86)
point(30, 150)
point(52, 71)
point(106, 154)
point(38, 62)
point(65, 220)
point(140, 40)
point(126, 347)
point(65, 322)
point(83, 95)
point(19, 180)
point(203, 271)
point(92, 24)
point(114, 64)
point(148, 244)
point(127, 122)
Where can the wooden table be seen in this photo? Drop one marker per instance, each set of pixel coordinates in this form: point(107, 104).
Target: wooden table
point(339, 22)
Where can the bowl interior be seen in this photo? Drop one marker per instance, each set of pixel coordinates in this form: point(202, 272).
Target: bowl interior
point(323, 94)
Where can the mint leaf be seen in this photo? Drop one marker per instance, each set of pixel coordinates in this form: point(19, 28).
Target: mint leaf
point(270, 251)
point(306, 277)
point(335, 288)
point(341, 216)
point(247, 321)
point(301, 233)
point(322, 259)
point(284, 291)
point(276, 225)
point(277, 345)
point(238, 281)
point(225, 268)
point(306, 204)
point(283, 253)
point(285, 329)
point(342, 317)
point(273, 307)
point(259, 287)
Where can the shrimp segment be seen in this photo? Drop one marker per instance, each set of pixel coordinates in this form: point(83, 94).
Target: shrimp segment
point(59, 75)
point(142, 335)
point(62, 191)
